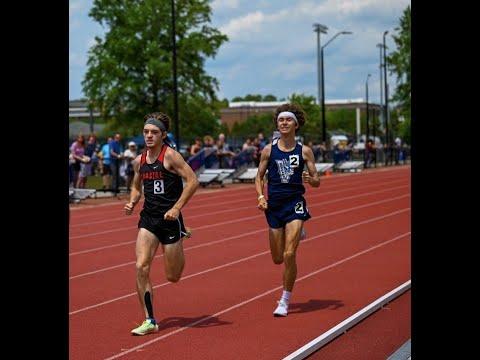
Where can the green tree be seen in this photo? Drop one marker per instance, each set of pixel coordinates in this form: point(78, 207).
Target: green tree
point(404, 131)
point(312, 128)
point(269, 97)
point(342, 121)
point(130, 70)
point(399, 61)
point(255, 97)
point(253, 125)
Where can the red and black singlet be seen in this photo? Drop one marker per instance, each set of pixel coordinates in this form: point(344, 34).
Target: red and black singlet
point(161, 188)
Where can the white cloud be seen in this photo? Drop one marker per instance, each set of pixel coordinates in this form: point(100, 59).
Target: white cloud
point(293, 70)
point(344, 69)
point(75, 59)
point(344, 8)
point(76, 7)
point(219, 5)
point(234, 71)
point(74, 24)
point(90, 42)
point(272, 47)
point(243, 26)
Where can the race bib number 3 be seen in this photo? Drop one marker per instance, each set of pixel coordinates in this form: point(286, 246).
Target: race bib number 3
point(158, 187)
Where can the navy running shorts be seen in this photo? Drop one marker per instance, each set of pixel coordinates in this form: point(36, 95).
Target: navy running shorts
point(283, 211)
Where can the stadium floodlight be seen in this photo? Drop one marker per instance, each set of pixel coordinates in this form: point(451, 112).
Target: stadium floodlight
point(319, 28)
point(175, 86)
point(324, 125)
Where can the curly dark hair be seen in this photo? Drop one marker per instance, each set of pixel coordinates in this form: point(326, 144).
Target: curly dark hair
point(294, 108)
point(159, 116)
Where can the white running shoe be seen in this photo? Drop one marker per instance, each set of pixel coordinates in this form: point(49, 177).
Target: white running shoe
point(282, 309)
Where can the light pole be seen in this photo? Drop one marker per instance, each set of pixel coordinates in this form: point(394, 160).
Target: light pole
point(387, 138)
point(319, 28)
point(324, 126)
point(174, 68)
point(367, 133)
point(380, 47)
point(91, 117)
point(374, 136)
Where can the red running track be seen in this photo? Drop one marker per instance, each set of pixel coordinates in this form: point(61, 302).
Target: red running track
point(357, 249)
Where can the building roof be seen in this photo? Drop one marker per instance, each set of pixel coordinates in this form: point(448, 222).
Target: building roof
point(264, 104)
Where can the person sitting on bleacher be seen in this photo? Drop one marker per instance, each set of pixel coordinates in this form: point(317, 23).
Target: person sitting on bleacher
point(208, 141)
point(223, 152)
point(196, 146)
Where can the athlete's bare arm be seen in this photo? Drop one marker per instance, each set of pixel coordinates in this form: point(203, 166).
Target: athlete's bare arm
point(259, 182)
point(310, 176)
point(175, 163)
point(136, 189)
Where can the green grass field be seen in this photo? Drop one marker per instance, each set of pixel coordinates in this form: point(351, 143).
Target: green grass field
point(94, 182)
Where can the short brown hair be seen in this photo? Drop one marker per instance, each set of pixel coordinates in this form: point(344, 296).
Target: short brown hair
point(294, 108)
point(159, 116)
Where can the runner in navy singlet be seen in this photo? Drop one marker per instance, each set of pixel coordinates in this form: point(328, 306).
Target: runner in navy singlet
point(161, 169)
point(286, 208)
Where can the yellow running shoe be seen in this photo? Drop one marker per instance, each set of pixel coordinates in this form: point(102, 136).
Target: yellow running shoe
point(147, 327)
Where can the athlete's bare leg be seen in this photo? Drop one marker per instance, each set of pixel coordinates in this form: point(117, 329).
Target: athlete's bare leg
point(277, 244)
point(174, 260)
point(146, 247)
point(292, 239)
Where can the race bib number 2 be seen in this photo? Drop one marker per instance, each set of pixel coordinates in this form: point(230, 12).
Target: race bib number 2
point(158, 187)
point(299, 207)
point(294, 161)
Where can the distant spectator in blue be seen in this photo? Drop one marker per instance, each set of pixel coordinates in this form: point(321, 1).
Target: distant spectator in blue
point(116, 154)
point(398, 149)
point(106, 171)
point(338, 153)
point(261, 140)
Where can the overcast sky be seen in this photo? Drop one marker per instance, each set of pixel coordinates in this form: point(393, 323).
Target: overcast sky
point(272, 48)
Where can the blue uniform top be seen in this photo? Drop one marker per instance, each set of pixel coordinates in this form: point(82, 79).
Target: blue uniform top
point(285, 172)
point(106, 153)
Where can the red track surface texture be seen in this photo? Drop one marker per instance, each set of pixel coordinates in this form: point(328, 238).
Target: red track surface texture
point(357, 249)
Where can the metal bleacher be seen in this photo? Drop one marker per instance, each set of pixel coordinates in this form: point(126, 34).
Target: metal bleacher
point(215, 176)
point(76, 195)
point(248, 175)
point(322, 168)
point(351, 166)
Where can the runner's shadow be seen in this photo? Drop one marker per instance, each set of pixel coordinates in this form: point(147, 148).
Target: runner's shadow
point(314, 305)
point(197, 322)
